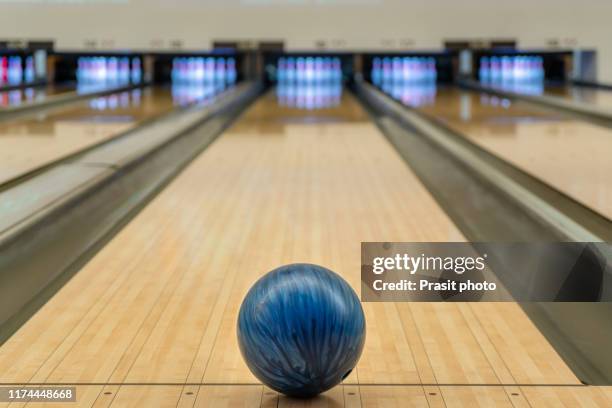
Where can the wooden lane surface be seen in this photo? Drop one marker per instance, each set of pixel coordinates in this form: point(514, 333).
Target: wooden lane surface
point(601, 98)
point(150, 321)
point(569, 155)
point(22, 96)
point(34, 141)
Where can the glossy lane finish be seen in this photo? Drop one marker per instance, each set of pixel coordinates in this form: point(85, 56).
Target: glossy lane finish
point(158, 304)
point(34, 141)
point(570, 155)
point(600, 98)
point(18, 97)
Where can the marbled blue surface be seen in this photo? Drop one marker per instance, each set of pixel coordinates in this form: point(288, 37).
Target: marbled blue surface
point(301, 329)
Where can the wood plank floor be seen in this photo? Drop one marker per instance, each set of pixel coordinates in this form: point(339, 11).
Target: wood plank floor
point(29, 143)
point(150, 321)
point(18, 97)
point(601, 98)
point(568, 154)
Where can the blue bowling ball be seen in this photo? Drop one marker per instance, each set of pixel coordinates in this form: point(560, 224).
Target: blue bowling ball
point(301, 329)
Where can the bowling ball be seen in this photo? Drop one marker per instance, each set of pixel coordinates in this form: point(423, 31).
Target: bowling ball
point(301, 329)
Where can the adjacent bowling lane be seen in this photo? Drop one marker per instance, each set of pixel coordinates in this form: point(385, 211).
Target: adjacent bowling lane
point(571, 155)
point(18, 97)
point(156, 308)
point(31, 142)
point(34, 141)
point(601, 98)
point(597, 97)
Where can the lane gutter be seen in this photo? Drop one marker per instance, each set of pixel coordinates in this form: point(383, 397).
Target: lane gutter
point(52, 224)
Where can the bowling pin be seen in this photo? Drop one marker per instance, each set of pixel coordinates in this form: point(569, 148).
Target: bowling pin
point(495, 69)
point(209, 70)
point(300, 66)
point(220, 72)
point(3, 70)
point(484, 72)
point(232, 73)
point(112, 69)
point(15, 74)
point(376, 73)
point(396, 69)
point(319, 71)
point(309, 70)
point(291, 70)
point(136, 70)
point(29, 69)
point(124, 70)
point(200, 68)
point(102, 66)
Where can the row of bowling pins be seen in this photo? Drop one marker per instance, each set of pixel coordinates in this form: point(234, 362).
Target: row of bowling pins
point(309, 69)
point(109, 70)
point(13, 71)
point(516, 68)
point(309, 97)
point(201, 69)
point(404, 69)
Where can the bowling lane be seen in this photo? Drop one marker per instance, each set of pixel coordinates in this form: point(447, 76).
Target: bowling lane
point(572, 156)
point(156, 308)
point(601, 98)
point(18, 97)
point(36, 140)
point(597, 98)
